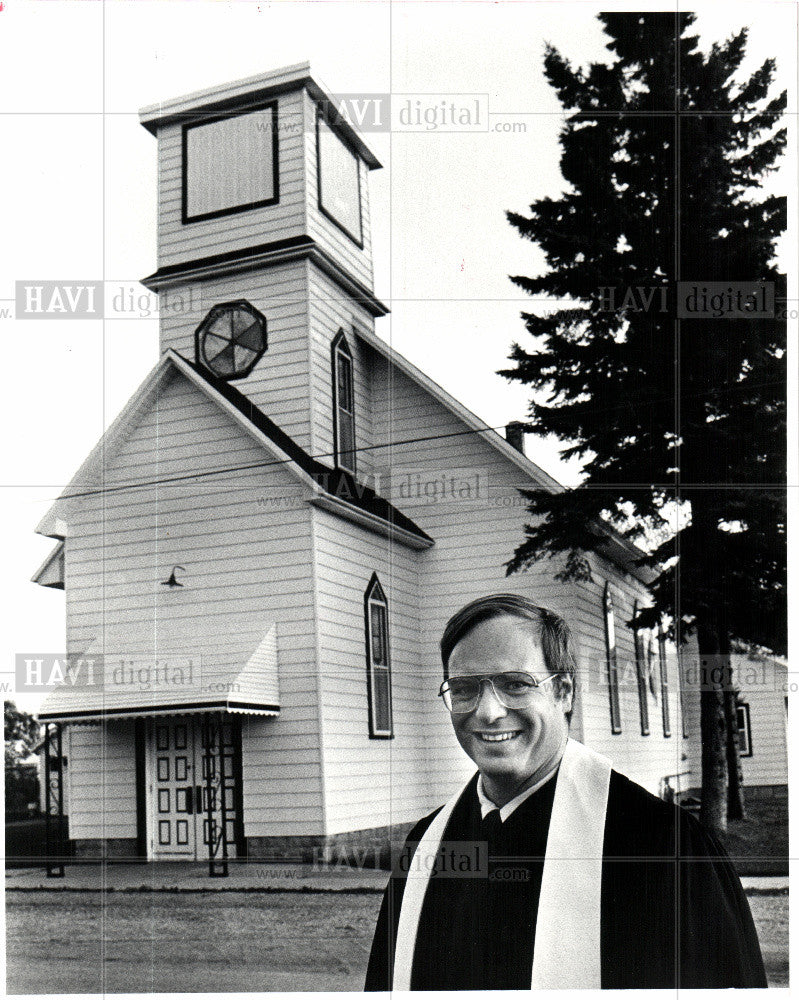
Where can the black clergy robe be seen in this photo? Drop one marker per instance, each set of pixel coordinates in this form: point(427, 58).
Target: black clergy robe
point(673, 912)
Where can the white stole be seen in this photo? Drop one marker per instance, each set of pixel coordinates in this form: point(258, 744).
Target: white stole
point(567, 930)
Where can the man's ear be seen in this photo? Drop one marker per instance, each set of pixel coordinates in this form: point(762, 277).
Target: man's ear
point(565, 693)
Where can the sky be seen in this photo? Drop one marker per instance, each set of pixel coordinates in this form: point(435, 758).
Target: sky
point(78, 200)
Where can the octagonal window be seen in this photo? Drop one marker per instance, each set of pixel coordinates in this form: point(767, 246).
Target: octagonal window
point(231, 339)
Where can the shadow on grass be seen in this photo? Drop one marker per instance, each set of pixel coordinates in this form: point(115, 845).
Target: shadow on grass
point(758, 845)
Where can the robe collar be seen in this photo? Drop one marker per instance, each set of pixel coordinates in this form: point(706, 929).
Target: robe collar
point(567, 937)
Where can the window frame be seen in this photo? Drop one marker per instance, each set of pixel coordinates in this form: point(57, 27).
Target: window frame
point(219, 213)
point(641, 673)
point(340, 348)
point(611, 660)
point(744, 732)
point(327, 213)
point(374, 595)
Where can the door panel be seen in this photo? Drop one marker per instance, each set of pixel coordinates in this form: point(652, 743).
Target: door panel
point(173, 757)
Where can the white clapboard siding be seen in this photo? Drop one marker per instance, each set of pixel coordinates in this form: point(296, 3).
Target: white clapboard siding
point(357, 261)
point(248, 569)
point(763, 685)
point(280, 382)
point(179, 242)
point(102, 778)
point(331, 311)
point(369, 782)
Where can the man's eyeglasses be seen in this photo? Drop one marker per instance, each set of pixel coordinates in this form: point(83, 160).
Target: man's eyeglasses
point(513, 689)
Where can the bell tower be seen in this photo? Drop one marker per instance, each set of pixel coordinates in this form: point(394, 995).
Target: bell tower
point(264, 248)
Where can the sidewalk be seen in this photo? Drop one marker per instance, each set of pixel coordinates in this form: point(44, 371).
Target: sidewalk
point(187, 876)
point(252, 876)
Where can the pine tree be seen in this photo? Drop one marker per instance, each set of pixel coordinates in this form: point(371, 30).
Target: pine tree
point(664, 153)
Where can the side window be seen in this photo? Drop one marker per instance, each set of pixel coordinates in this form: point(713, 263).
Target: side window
point(664, 680)
point(611, 661)
point(683, 700)
point(744, 729)
point(378, 661)
point(339, 178)
point(642, 673)
point(230, 164)
point(343, 404)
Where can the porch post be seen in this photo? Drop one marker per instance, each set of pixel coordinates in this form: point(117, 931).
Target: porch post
point(213, 727)
point(54, 801)
point(222, 796)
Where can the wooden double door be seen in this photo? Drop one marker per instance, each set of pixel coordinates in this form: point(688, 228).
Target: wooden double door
point(194, 762)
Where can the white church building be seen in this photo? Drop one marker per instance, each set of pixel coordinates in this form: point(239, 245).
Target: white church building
point(260, 554)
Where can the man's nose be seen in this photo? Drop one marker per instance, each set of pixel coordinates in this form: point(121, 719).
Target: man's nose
point(489, 707)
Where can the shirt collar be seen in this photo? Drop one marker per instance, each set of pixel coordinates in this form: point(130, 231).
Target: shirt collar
point(486, 805)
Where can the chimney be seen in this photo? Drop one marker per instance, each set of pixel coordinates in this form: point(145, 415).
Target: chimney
point(514, 435)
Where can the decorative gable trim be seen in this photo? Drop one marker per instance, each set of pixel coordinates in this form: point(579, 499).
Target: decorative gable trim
point(90, 471)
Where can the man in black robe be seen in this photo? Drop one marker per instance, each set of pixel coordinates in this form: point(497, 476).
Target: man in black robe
point(673, 913)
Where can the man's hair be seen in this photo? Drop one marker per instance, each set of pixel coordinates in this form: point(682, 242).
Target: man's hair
point(552, 631)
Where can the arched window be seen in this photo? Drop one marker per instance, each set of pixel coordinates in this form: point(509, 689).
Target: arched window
point(612, 663)
point(378, 661)
point(343, 404)
point(642, 673)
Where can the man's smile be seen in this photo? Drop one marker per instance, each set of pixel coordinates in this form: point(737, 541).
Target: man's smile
point(490, 737)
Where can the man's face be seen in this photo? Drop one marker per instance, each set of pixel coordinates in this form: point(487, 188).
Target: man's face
point(533, 736)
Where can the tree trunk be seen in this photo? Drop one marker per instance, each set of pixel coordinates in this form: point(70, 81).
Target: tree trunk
point(736, 807)
point(713, 724)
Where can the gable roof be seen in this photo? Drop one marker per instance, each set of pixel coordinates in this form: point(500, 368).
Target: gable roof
point(336, 483)
point(616, 548)
point(465, 415)
point(333, 489)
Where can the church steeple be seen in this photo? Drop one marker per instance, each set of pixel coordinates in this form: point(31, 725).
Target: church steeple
point(256, 164)
point(262, 209)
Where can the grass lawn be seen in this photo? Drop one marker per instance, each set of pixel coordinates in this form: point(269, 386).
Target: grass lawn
point(758, 845)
